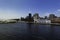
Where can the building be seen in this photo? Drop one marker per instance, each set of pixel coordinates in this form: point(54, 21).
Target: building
point(30, 15)
point(36, 16)
point(45, 17)
point(10, 21)
point(38, 19)
point(29, 18)
point(42, 21)
point(56, 20)
point(52, 16)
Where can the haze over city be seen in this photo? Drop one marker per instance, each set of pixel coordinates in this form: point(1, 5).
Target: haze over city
point(20, 8)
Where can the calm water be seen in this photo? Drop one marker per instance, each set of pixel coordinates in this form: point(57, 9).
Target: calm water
point(23, 31)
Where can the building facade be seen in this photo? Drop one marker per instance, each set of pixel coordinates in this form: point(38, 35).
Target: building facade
point(42, 21)
point(37, 19)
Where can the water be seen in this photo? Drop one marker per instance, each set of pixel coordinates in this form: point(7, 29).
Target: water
point(23, 31)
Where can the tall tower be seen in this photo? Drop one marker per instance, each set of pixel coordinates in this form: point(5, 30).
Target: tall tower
point(30, 16)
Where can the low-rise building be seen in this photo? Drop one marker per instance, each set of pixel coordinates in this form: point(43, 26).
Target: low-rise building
point(38, 19)
point(12, 21)
point(42, 21)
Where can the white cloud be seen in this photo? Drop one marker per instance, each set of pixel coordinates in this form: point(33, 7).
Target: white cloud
point(57, 13)
point(58, 10)
point(47, 14)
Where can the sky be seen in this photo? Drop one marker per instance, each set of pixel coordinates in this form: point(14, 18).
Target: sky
point(20, 8)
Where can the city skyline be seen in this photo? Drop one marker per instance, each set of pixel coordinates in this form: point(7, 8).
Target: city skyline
point(20, 8)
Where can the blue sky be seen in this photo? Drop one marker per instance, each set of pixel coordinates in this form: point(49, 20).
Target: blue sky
point(21, 8)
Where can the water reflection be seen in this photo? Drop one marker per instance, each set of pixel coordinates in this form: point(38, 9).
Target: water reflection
point(35, 29)
point(36, 32)
point(51, 32)
point(29, 32)
point(56, 33)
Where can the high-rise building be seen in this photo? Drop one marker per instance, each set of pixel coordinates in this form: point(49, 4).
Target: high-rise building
point(29, 18)
point(36, 16)
point(30, 15)
point(52, 16)
point(46, 17)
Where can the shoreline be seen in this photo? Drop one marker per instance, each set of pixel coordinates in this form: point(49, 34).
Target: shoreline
point(43, 23)
point(33, 23)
